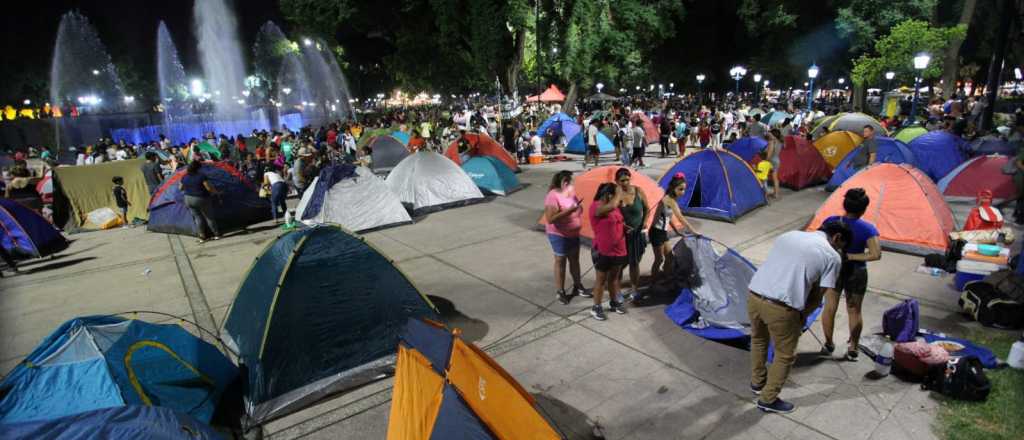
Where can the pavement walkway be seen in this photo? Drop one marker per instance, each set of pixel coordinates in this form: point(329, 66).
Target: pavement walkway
point(488, 268)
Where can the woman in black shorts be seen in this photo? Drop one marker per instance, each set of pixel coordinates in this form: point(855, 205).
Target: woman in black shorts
point(664, 214)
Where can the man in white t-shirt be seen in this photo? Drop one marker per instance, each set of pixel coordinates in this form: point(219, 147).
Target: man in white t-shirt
point(592, 148)
point(783, 292)
point(536, 143)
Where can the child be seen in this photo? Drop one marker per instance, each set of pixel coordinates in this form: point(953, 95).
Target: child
point(764, 170)
point(121, 197)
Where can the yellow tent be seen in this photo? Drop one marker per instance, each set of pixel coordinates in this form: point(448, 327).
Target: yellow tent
point(79, 190)
point(448, 388)
point(836, 145)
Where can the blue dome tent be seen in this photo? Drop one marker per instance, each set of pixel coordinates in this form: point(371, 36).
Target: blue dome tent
point(716, 308)
point(562, 124)
point(402, 136)
point(577, 146)
point(332, 291)
point(748, 147)
point(889, 151)
point(937, 153)
point(239, 204)
point(26, 234)
point(491, 175)
point(97, 362)
point(122, 422)
point(991, 145)
point(720, 185)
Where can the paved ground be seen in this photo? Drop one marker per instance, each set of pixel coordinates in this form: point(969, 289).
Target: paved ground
point(488, 268)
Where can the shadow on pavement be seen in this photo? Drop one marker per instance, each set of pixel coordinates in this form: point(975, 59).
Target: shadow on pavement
point(58, 265)
point(569, 421)
point(473, 330)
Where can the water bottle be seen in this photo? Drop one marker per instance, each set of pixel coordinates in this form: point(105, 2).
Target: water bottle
point(287, 217)
point(883, 360)
point(1016, 357)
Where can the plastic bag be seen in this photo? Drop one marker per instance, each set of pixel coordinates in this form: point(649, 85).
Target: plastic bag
point(104, 218)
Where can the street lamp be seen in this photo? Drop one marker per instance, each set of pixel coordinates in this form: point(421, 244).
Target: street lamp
point(700, 86)
point(28, 102)
point(737, 73)
point(757, 85)
point(129, 99)
point(888, 78)
point(95, 72)
point(812, 73)
point(287, 90)
point(599, 87)
point(307, 42)
point(921, 61)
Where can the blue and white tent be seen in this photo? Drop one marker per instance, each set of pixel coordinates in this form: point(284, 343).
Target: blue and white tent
point(99, 362)
point(561, 124)
point(353, 197)
point(578, 146)
point(121, 422)
point(25, 234)
point(491, 175)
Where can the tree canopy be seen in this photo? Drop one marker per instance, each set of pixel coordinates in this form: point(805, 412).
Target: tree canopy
point(895, 52)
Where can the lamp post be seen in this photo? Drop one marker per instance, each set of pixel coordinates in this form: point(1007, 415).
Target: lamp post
point(737, 73)
point(700, 86)
point(757, 87)
point(812, 73)
point(888, 78)
point(920, 63)
point(599, 87)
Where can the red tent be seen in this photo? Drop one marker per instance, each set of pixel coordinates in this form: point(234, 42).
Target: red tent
point(650, 130)
point(801, 165)
point(981, 173)
point(482, 145)
point(552, 94)
point(906, 207)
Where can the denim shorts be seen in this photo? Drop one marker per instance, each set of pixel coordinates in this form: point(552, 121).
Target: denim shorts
point(563, 246)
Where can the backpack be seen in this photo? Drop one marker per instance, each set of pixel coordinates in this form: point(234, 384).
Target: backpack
point(901, 322)
point(984, 303)
point(960, 378)
point(1009, 283)
point(948, 261)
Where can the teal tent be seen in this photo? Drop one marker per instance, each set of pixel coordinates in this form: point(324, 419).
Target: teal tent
point(319, 312)
point(491, 175)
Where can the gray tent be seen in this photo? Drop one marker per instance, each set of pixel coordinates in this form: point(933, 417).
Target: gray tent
point(429, 181)
point(602, 97)
point(387, 152)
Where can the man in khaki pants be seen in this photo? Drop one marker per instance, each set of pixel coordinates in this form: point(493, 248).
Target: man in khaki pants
point(785, 289)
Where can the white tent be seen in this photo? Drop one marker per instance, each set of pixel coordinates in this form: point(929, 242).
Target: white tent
point(429, 181)
point(357, 202)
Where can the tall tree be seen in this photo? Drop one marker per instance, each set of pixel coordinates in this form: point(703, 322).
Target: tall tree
point(951, 63)
point(895, 51)
point(864, 21)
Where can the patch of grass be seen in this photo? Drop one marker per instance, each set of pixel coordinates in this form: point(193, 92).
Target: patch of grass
point(997, 418)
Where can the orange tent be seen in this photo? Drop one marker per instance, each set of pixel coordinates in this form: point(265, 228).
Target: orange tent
point(836, 145)
point(448, 388)
point(586, 187)
point(482, 145)
point(552, 94)
point(906, 207)
point(651, 133)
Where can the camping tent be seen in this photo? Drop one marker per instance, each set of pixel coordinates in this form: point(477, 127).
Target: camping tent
point(990, 145)
point(368, 135)
point(561, 124)
point(908, 134)
point(209, 149)
point(836, 145)
point(800, 164)
point(586, 186)
point(428, 182)
point(78, 190)
point(577, 146)
point(491, 176)
point(775, 118)
point(319, 311)
point(601, 97)
point(402, 136)
point(25, 234)
point(854, 122)
point(238, 205)
point(716, 308)
point(936, 153)
point(747, 148)
point(650, 130)
point(720, 185)
point(122, 422)
point(889, 151)
point(387, 152)
point(482, 145)
point(552, 94)
point(981, 173)
point(352, 197)
point(447, 388)
point(906, 206)
point(98, 362)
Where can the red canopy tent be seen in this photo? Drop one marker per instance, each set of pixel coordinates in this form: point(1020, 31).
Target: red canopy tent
point(801, 165)
point(552, 94)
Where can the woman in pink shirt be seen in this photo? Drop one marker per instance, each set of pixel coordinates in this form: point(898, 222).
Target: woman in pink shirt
point(610, 246)
point(563, 212)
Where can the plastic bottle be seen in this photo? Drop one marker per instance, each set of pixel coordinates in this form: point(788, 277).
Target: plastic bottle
point(288, 218)
point(883, 361)
point(1016, 357)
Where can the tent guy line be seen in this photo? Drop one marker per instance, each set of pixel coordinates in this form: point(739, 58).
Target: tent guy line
point(193, 290)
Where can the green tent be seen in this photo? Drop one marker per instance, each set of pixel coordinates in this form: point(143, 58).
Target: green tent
point(208, 148)
point(910, 133)
point(79, 190)
point(368, 135)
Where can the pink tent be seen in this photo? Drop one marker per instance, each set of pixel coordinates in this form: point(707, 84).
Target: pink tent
point(552, 94)
point(650, 130)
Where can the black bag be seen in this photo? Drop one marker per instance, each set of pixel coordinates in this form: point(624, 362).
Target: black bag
point(984, 303)
point(1008, 283)
point(960, 378)
point(948, 261)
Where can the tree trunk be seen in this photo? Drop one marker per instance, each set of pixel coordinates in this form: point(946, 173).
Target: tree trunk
point(517, 62)
point(569, 106)
point(952, 61)
point(995, 68)
point(859, 98)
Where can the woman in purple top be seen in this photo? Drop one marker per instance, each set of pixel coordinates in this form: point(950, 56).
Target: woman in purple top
point(853, 278)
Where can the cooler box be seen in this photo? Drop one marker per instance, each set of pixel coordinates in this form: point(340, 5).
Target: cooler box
point(967, 271)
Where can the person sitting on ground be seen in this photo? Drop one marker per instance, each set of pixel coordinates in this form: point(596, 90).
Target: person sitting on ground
point(610, 247)
point(853, 276)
